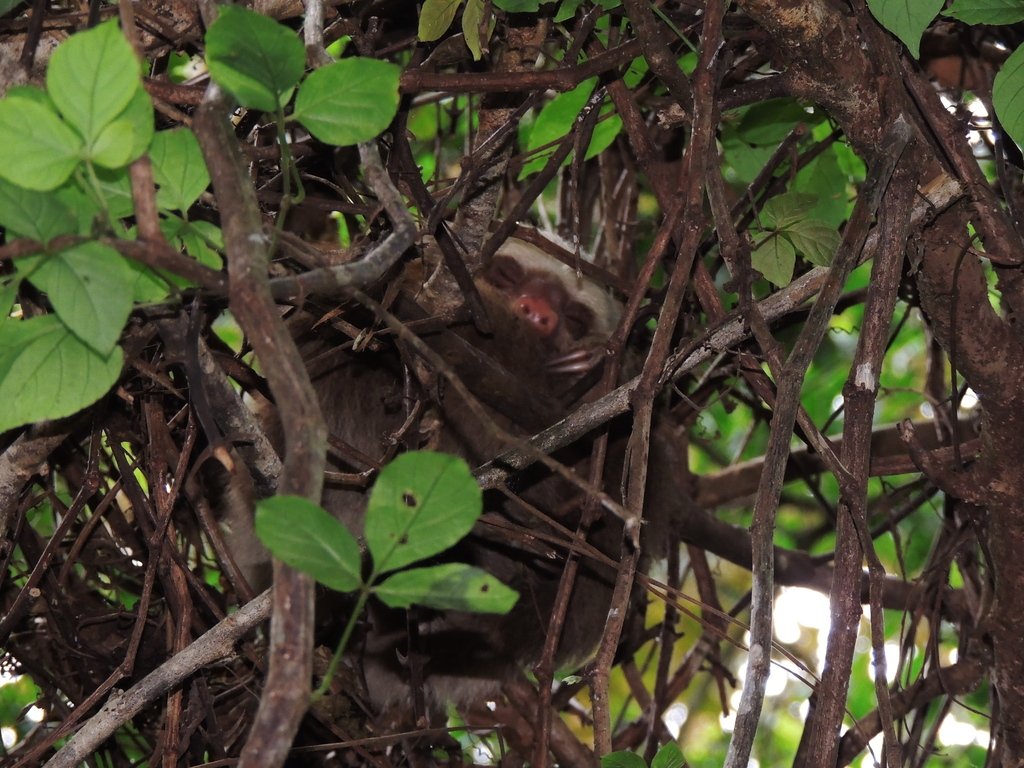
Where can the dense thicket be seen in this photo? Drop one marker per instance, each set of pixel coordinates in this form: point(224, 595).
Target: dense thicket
point(817, 238)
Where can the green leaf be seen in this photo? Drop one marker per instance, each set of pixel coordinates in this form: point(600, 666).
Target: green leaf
point(8, 293)
point(450, 587)
point(203, 241)
point(148, 287)
point(349, 101)
point(824, 178)
point(92, 76)
point(741, 162)
point(46, 372)
point(90, 287)
point(769, 122)
point(907, 19)
point(622, 760)
point(138, 114)
point(636, 72)
point(774, 258)
point(255, 59)
point(16, 696)
point(40, 151)
point(987, 11)
point(472, 18)
point(36, 215)
point(815, 239)
point(566, 10)
point(33, 94)
point(785, 209)
point(306, 537)
point(435, 18)
point(422, 503)
point(604, 132)
point(113, 147)
point(519, 6)
point(1008, 96)
point(555, 120)
point(116, 186)
point(178, 169)
point(669, 756)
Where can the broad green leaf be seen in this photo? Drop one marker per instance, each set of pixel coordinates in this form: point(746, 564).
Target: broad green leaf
point(422, 503)
point(636, 72)
point(1008, 96)
point(472, 17)
point(255, 59)
point(769, 122)
point(17, 694)
point(825, 179)
point(306, 537)
point(113, 146)
point(815, 239)
point(349, 101)
point(555, 120)
point(116, 186)
point(203, 241)
point(90, 287)
point(519, 6)
point(669, 756)
point(987, 11)
point(741, 162)
point(178, 169)
point(200, 239)
point(907, 19)
point(785, 209)
point(435, 18)
point(451, 586)
point(46, 372)
point(33, 94)
point(139, 114)
point(171, 226)
point(5, 7)
point(566, 10)
point(849, 162)
point(40, 151)
point(604, 132)
point(774, 258)
point(92, 76)
point(8, 293)
point(622, 760)
point(36, 215)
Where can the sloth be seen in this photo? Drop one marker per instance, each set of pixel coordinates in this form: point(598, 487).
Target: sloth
point(549, 329)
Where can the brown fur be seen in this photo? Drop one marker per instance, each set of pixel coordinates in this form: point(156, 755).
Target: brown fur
point(467, 656)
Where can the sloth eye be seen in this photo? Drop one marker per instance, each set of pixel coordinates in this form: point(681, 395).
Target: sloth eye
point(505, 273)
point(579, 319)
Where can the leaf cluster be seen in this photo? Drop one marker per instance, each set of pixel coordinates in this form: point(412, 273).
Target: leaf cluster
point(422, 504)
point(66, 182)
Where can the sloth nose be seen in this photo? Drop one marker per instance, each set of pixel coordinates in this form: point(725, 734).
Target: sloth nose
point(538, 313)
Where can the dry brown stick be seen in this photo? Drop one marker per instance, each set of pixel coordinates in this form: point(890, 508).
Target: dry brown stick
point(286, 693)
point(783, 419)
